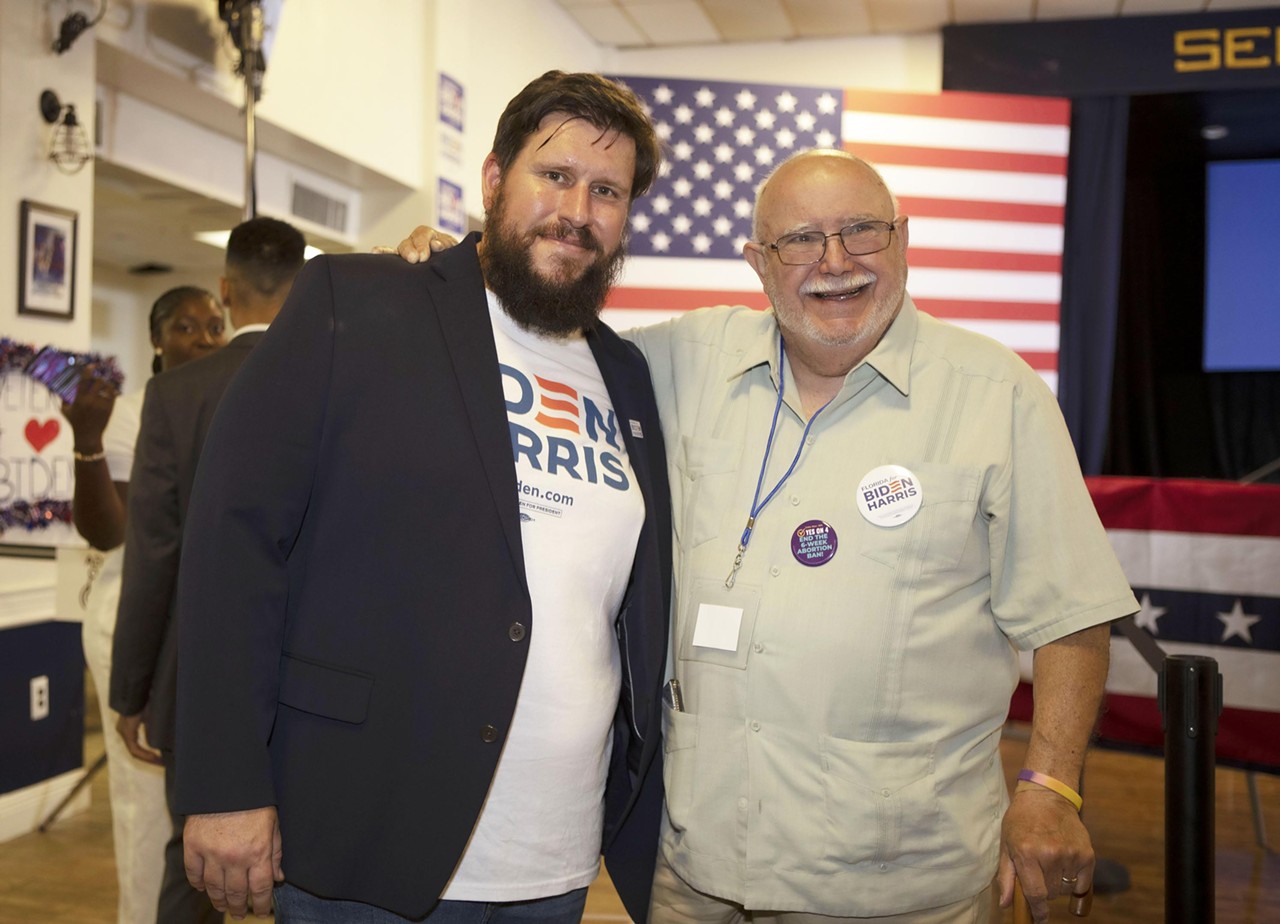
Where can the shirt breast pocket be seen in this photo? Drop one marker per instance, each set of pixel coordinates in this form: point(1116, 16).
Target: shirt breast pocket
point(940, 531)
point(708, 471)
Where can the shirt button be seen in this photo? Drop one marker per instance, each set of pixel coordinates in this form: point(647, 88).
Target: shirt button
point(742, 805)
point(755, 726)
point(516, 632)
point(884, 867)
point(488, 734)
point(795, 501)
point(809, 441)
point(757, 648)
point(775, 570)
point(885, 793)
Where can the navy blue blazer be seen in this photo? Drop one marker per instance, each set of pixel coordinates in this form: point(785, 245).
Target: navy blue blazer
point(352, 570)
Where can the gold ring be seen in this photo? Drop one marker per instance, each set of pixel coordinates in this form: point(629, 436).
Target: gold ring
point(1070, 881)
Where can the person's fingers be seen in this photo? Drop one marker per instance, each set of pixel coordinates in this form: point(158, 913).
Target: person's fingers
point(261, 882)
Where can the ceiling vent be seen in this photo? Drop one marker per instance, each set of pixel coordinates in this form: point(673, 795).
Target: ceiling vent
point(316, 207)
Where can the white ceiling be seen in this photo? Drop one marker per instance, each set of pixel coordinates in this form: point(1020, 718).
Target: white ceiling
point(658, 23)
point(140, 220)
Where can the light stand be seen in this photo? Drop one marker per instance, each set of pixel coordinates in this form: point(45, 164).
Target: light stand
point(246, 25)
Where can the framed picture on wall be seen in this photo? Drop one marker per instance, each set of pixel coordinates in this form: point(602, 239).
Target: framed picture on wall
point(47, 268)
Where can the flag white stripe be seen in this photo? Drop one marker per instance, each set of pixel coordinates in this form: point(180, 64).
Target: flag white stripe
point(689, 273)
point(979, 185)
point(994, 236)
point(984, 285)
point(1250, 679)
point(960, 134)
point(1031, 336)
point(1199, 563)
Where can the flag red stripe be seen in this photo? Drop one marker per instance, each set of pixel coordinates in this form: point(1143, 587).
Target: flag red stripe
point(1246, 736)
point(982, 211)
point(992, 311)
point(985, 260)
point(1187, 506)
point(988, 107)
point(1039, 360)
point(682, 299)
point(955, 158)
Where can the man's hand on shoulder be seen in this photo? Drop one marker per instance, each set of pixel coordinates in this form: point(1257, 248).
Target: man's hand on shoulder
point(421, 243)
point(234, 857)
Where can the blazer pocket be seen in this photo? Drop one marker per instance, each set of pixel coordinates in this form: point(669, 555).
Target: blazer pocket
point(323, 690)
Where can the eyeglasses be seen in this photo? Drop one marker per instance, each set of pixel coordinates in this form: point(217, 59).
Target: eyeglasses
point(804, 247)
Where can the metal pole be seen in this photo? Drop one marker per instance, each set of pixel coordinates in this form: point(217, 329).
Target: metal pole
point(1190, 703)
point(252, 26)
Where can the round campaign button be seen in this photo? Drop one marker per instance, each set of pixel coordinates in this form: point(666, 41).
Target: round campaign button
point(889, 495)
point(813, 543)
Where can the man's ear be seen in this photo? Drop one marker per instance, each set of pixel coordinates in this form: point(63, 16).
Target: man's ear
point(490, 179)
point(224, 290)
point(757, 256)
point(902, 232)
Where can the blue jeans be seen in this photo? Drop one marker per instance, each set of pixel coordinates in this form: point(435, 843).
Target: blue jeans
point(294, 906)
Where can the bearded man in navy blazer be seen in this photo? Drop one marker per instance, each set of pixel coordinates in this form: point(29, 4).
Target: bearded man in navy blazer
point(424, 587)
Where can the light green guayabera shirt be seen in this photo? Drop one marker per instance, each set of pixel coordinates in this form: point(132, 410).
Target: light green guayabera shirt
point(839, 754)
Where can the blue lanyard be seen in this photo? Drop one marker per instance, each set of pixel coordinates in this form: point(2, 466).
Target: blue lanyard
point(758, 505)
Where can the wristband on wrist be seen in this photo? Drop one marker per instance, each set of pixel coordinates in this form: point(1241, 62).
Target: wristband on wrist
point(1048, 782)
point(88, 456)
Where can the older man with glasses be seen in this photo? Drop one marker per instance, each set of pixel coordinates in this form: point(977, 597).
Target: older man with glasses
point(873, 512)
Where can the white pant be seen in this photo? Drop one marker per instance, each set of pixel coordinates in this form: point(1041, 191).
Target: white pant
point(140, 823)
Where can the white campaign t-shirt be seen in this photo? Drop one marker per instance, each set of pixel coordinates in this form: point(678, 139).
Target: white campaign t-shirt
point(581, 513)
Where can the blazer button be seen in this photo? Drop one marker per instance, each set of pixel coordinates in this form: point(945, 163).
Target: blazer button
point(517, 632)
point(488, 734)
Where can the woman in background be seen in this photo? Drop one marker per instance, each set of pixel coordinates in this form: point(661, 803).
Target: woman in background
point(186, 323)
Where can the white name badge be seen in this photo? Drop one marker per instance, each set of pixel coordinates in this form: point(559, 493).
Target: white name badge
point(717, 626)
point(889, 495)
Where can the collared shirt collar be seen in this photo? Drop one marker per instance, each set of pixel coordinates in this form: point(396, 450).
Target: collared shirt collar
point(249, 329)
point(891, 357)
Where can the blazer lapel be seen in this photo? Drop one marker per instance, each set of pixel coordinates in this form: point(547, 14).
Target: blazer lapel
point(456, 288)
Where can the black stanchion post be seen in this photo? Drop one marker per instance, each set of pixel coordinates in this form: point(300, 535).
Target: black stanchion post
point(1190, 702)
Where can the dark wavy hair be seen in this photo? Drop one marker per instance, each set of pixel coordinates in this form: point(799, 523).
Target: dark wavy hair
point(601, 102)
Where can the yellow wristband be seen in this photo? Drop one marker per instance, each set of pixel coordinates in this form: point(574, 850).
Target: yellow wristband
point(1048, 782)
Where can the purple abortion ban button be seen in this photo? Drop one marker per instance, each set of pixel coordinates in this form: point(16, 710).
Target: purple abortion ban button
point(813, 543)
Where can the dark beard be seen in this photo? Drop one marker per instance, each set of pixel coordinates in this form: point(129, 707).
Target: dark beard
point(540, 305)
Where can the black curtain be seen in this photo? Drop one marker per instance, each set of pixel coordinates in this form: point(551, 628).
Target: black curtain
point(1091, 271)
point(1169, 418)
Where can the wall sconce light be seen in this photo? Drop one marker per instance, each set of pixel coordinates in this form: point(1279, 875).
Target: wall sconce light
point(69, 148)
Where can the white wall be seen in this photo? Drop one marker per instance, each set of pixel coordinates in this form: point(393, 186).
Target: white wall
point(27, 66)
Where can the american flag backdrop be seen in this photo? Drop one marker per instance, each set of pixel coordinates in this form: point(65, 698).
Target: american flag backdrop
point(981, 176)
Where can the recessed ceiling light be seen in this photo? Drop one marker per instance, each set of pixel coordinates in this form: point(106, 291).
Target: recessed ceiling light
point(1214, 132)
point(219, 239)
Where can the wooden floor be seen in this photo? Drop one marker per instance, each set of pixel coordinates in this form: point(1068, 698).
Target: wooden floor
point(67, 875)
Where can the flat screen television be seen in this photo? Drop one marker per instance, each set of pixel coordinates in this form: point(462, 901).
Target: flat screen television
point(1242, 266)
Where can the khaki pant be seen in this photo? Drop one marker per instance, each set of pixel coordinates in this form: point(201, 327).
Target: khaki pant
point(676, 902)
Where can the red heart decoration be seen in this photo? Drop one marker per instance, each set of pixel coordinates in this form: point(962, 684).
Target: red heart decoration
point(40, 435)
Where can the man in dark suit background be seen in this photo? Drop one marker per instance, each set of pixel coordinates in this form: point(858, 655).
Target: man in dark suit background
point(263, 256)
point(427, 566)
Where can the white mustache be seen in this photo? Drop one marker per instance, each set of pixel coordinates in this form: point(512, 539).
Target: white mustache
point(842, 284)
